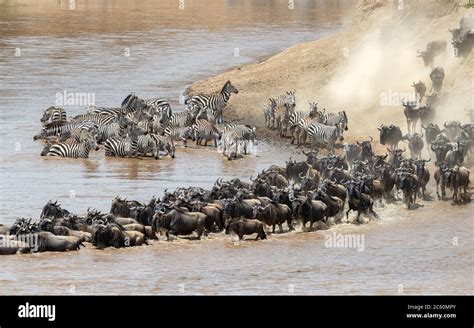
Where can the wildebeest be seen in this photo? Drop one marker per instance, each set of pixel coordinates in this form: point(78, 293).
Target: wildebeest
point(412, 115)
point(420, 89)
point(396, 156)
point(59, 230)
point(179, 222)
point(273, 214)
point(53, 210)
point(415, 144)
point(423, 175)
point(408, 184)
point(452, 129)
point(122, 207)
point(294, 170)
point(455, 156)
point(243, 227)
point(352, 152)
point(390, 135)
point(431, 131)
point(433, 49)
point(457, 178)
point(463, 37)
point(437, 77)
point(305, 209)
point(105, 234)
point(358, 201)
point(440, 178)
point(48, 242)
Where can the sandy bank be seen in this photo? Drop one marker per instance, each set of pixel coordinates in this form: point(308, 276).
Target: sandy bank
point(352, 70)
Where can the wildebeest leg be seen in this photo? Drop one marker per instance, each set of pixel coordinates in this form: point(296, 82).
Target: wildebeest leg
point(358, 216)
point(347, 214)
point(280, 226)
point(273, 228)
point(215, 142)
point(167, 235)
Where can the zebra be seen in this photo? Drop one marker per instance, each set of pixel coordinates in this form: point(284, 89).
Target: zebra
point(179, 133)
point(184, 118)
point(99, 119)
point(245, 133)
point(268, 113)
point(336, 118)
point(324, 134)
point(54, 114)
point(300, 119)
point(132, 103)
point(147, 144)
point(160, 105)
point(205, 130)
point(124, 146)
point(215, 102)
point(285, 106)
point(66, 129)
point(165, 144)
point(228, 140)
point(71, 150)
point(114, 111)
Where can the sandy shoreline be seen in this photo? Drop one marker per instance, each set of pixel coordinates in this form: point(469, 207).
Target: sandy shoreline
point(350, 70)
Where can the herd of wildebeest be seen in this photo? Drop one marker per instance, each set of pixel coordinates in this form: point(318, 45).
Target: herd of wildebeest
point(321, 190)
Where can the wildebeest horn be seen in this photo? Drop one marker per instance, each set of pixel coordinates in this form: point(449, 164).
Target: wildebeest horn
point(305, 153)
point(301, 176)
point(371, 139)
point(426, 161)
point(445, 125)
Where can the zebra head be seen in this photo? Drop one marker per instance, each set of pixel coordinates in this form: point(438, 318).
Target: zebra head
point(340, 131)
point(47, 114)
point(313, 108)
point(230, 88)
point(290, 100)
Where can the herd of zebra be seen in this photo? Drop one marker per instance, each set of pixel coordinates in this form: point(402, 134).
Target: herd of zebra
point(320, 127)
point(146, 128)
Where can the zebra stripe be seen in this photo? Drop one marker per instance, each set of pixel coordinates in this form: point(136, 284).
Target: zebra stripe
point(54, 114)
point(324, 134)
point(147, 144)
point(244, 133)
point(99, 119)
point(72, 150)
point(205, 130)
point(179, 133)
point(215, 102)
point(336, 118)
point(61, 130)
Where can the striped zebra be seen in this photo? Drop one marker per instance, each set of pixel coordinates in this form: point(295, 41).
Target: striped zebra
point(299, 119)
point(147, 144)
point(160, 105)
point(165, 144)
point(98, 119)
point(230, 139)
point(336, 118)
point(268, 113)
point(124, 146)
point(179, 133)
point(321, 134)
point(215, 102)
point(53, 115)
point(184, 118)
point(285, 106)
point(132, 103)
point(114, 111)
point(205, 130)
point(66, 129)
point(244, 133)
point(71, 150)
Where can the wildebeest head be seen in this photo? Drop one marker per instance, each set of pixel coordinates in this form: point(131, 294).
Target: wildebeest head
point(390, 134)
point(431, 131)
point(54, 210)
point(366, 149)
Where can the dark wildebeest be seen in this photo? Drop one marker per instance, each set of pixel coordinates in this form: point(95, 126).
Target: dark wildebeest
point(452, 129)
point(46, 224)
point(396, 157)
point(437, 77)
point(295, 169)
point(420, 90)
point(412, 114)
point(352, 152)
point(121, 207)
point(53, 210)
point(440, 147)
point(334, 189)
point(408, 184)
point(390, 135)
point(338, 175)
point(415, 144)
point(387, 178)
point(179, 222)
point(273, 214)
point(433, 49)
point(366, 152)
point(305, 209)
point(242, 227)
point(105, 234)
point(440, 178)
point(427, 114)
point(312, 157)
point(431, 131)
point(334, 204)
point(423, 175)
point(457, 178)
point(358, 201)
point(463, 37)
point(48, 242)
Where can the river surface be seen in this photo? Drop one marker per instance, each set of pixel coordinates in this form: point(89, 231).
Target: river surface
point(157, 49)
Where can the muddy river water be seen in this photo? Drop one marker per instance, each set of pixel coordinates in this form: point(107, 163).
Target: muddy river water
point(157, 48)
